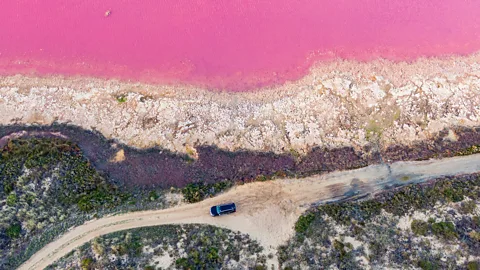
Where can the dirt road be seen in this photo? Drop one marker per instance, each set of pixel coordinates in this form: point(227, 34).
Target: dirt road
point(267, 211)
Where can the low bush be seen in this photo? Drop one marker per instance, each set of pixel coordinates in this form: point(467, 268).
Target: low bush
point(14, 230)
point(444, 230)
point(474, 149)
point(473, 265)
point(428, 265)
point(419, 227)
point(86, 263)
point(468, 207)
point(304, 222)
point(195, 192)
point(11, 199)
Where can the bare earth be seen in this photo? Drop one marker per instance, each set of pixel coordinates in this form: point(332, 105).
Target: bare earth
point(267, 211)
point(341, 103)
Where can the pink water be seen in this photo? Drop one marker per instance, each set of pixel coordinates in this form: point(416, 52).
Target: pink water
point(234, 44)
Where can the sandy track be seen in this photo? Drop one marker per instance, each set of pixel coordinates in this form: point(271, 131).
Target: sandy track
point(267, 211)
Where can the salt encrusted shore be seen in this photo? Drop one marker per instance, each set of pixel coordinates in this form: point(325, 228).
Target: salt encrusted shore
point(340, 103)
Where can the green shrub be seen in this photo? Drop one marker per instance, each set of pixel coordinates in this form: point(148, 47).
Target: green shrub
point(304, 222)
point(11, 199)
point(474, 149)
point(445, 230)
point(475, 235)
point(427, 265)
point(419, 227)
point(135, 247)
point(100, 198)
point(340, 247)
point(195, 192)
point(121, 98)
point(345, 212)
point(378, 248)
point(86, 263)
point(8, 187)
point(213, 254)
point(14, 230)
point(183, 263)
point(261, 178)
point(468, 207)
point(153, 195)
point(476, 220)
point(473, 265)
point(453, 195)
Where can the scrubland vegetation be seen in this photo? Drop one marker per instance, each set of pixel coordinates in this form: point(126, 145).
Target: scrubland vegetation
point(435, 225)
point(47, 186)
point(168, 247)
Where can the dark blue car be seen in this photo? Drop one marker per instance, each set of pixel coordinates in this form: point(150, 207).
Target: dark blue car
point(223, 209)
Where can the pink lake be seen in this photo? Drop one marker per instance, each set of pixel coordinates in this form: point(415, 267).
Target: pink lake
point(234, 45)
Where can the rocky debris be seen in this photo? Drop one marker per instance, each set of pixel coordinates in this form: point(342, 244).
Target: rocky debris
point(341, 104)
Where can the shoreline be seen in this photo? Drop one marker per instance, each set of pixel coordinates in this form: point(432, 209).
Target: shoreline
point(226, 45)
point(341, 104)
point(398, 72)
point(252, 82)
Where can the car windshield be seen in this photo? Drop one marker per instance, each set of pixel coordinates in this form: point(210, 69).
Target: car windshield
point(225, 207)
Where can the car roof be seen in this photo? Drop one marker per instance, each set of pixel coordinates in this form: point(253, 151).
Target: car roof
point(226, 207)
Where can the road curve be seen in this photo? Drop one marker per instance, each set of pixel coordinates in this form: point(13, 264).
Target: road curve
point(267, 211)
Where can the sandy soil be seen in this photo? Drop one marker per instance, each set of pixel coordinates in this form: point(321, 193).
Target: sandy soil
point(267, 211)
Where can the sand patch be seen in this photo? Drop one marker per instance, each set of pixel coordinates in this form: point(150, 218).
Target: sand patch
point(119, 156)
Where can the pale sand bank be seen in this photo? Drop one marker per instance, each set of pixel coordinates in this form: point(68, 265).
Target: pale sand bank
point(340, 103)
